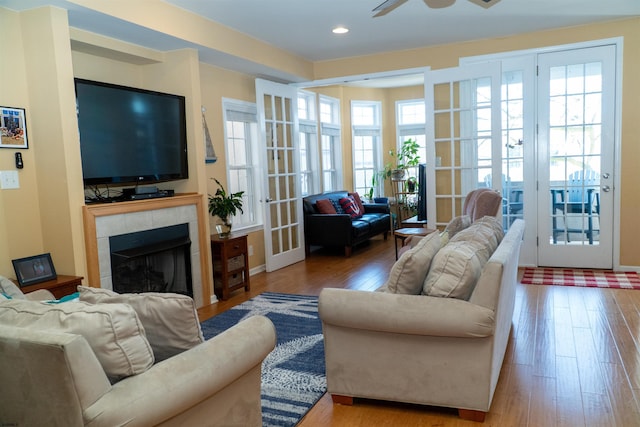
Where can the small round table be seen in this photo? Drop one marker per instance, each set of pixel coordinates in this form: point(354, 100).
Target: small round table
point(403, 233)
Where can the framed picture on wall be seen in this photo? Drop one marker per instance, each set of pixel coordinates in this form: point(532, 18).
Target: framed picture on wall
point(34, 269)
point(13, 128)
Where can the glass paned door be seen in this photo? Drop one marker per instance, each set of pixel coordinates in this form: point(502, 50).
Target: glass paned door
point(283, 228)
point(576, 157)
point(463, 129)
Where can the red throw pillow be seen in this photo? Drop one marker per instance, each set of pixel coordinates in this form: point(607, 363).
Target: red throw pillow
point(351, 207)
point(325, 206)
point(356, 197)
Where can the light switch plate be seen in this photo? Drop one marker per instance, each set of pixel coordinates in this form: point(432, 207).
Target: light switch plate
point(9, 180)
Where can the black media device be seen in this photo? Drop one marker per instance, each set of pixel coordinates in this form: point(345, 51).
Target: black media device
point(130, 135)
point(19, 163)
point(422, 192)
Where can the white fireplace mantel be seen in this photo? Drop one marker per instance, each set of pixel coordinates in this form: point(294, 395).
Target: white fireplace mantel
point(104, 220)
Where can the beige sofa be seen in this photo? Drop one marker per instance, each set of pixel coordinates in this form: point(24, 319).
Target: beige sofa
point(105, 373)
point(429, 350)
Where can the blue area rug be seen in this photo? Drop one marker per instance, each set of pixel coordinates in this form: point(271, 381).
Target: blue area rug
point(293, 374)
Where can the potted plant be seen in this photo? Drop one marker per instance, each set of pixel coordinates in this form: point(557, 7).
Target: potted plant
point(406, 157)
point(224, 206)
point(412, 184)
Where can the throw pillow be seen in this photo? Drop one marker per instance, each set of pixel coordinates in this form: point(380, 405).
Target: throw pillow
point(325, 206)
point(350, 207)
point(10, 289)
point(170, 320)
point(457, 224)
point(113, 331)
point(337, 206)
point(484, 234)
point(455, 269)
point(358, 200)
point(408, 273)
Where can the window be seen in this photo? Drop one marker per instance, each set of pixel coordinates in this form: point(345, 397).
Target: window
point(411, 118)
point(330, 130)
point(241, 139)
point(367, 140)
point(308, 143)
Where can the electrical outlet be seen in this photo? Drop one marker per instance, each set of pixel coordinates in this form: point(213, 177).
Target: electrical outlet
point(250, 250)
point(9, 180)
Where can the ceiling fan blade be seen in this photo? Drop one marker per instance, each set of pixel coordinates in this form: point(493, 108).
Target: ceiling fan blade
point(439, 4)
point(387, 6)
point(484, 3)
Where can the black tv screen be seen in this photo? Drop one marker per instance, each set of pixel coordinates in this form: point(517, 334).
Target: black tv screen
point(130, 135)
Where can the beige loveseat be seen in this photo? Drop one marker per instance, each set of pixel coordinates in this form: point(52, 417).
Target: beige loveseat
point(431, 350)
point(105, 372)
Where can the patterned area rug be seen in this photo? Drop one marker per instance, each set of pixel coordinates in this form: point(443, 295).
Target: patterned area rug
point(293, 374)
point(585, 278)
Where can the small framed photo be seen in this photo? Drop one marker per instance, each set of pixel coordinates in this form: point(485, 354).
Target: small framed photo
point(13, 128)
point(34, 269)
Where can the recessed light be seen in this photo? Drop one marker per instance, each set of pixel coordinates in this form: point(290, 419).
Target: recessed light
point(340, 30)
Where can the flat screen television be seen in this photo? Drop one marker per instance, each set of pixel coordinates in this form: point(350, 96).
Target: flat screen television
point(130, 135)
point(422, 192)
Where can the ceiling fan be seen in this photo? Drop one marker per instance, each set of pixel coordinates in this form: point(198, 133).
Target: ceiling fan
point(389, 5)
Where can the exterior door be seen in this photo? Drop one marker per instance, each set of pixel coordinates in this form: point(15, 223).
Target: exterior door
point(283, 226)
point(463, 136)
point(576, 109)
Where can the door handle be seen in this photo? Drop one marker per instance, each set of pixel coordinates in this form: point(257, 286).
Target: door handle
point(606, 189)
point(605, 175)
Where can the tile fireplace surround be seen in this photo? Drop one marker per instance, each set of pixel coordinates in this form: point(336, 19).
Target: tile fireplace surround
point(104, 220)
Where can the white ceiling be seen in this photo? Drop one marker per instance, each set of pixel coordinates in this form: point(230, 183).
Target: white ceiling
point(303, 27)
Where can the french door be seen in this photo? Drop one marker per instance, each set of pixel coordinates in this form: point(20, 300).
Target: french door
point(283, 220)
point(576, 111)
point(463, 136)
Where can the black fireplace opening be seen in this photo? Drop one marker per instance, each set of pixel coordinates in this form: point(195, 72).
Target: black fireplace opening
point(157, 260)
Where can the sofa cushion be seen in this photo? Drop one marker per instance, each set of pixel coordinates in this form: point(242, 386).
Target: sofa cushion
point(350, 207)
point(324, 206)
point(113, 331)
point(360, 228)
point(454, 271)
point(408, 273)
point(170, 320)
point(9, 289)
point(457, 224)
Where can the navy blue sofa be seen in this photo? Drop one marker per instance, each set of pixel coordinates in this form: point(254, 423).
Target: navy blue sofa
point(340, 229)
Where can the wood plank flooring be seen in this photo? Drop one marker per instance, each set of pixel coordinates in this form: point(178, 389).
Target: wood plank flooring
point(573, 358)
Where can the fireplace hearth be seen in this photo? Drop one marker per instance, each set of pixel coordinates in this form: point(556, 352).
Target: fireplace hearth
point(156, 260)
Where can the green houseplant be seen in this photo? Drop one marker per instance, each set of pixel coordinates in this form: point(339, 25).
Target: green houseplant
point(406, 157)
point(225, 205)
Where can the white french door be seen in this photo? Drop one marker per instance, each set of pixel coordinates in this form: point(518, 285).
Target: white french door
point(576, 112)
point(283, 218)
point(463, 136)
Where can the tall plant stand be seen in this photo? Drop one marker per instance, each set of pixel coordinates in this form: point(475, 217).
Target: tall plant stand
point(400, 198)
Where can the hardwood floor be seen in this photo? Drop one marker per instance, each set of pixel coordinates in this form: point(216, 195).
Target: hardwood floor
point(573, 358)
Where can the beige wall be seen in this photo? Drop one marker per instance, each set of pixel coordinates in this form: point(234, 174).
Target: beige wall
point(216, 84)
point(44, 215)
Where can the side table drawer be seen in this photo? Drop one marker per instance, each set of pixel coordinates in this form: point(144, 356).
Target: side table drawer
point(235, 263)
point(236, 248)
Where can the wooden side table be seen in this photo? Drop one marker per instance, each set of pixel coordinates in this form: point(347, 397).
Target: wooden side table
point(59, 287)
point(230, 264)
point(403, 233)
